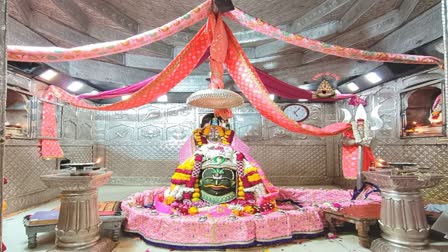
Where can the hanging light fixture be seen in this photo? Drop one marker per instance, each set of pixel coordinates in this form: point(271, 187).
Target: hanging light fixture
point(215, 98)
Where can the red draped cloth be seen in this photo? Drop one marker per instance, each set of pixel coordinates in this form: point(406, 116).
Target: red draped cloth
point(247, 79)
point(175, 72)
point(350, 158)
point(50, 147)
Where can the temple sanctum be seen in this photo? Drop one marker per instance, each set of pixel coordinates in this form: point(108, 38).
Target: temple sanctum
point(220, 125)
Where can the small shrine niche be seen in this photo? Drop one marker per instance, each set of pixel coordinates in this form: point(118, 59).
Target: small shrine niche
point(421, 111)
point(18, 114)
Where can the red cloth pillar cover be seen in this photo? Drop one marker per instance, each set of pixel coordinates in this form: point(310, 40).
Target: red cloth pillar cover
point(350, 158)
point(50, 148)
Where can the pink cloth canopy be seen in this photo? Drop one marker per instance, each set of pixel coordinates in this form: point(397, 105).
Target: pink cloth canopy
point(274, 85)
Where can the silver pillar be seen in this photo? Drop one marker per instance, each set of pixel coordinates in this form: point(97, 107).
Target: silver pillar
point(403, 222)
point(3, 65)
point(79, 223)
point(360, 166)
point(403, 219)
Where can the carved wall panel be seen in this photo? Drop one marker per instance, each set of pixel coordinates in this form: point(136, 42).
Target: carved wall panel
point(78, 154)
point(78, 124)
point(141, 145)
point(293, 165)
point(426, 152)
point(23, 169)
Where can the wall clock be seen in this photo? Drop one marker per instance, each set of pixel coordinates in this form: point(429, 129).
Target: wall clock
point(296, 112)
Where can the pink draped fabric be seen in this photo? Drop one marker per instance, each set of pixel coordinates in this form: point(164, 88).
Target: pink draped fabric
point(186, 150)
point(285, 90)
point(50, 147)
point(247, 79)
point(218, 53)
point(273, 85)
point(318, 46)
point(55, 54)
point(133, 87)
point(177, 70)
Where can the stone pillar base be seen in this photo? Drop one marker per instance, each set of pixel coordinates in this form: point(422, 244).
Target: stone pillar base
point(381, 245)
point(102, 245)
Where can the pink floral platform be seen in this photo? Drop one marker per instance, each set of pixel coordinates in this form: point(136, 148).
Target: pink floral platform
point(299, 215)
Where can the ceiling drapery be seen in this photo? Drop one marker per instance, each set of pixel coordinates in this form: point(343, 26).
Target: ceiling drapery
point(53, 54)
point(272, 84)
point(315, 45)
point(177, 70)
point(245, 76)
point(58, 54)
point(226, 49)
point(239, 68)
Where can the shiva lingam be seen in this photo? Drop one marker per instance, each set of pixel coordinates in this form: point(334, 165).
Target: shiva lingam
point(402, 218)
point(79, 223)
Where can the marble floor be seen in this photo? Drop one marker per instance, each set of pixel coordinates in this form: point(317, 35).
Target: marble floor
point(15, 239)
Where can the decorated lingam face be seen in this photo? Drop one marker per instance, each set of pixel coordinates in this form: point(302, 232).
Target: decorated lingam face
point(217, 181)
point(217, 185)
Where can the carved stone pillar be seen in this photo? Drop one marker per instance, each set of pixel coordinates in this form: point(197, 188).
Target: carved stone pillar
point(403, 219)
point(79, 222)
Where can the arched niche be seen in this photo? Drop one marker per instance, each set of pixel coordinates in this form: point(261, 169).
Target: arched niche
point(421, 110)
point(18, 114)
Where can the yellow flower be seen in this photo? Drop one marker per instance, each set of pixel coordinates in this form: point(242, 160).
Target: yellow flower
point(254, 177)
point(169, 199)
point(236, 212)
point(249, 209)
point(250, 169)
point(196, 195)
point(180, 176)
point(193, 210)
point(4, 206)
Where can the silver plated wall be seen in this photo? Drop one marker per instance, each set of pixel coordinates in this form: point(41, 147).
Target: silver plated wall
point(23, 164)
point(141, 145)
point(427, 152)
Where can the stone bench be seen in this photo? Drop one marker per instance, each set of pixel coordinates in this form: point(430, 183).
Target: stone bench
point(112, 223)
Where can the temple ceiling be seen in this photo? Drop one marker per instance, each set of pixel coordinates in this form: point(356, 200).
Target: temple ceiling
point(380, 25)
